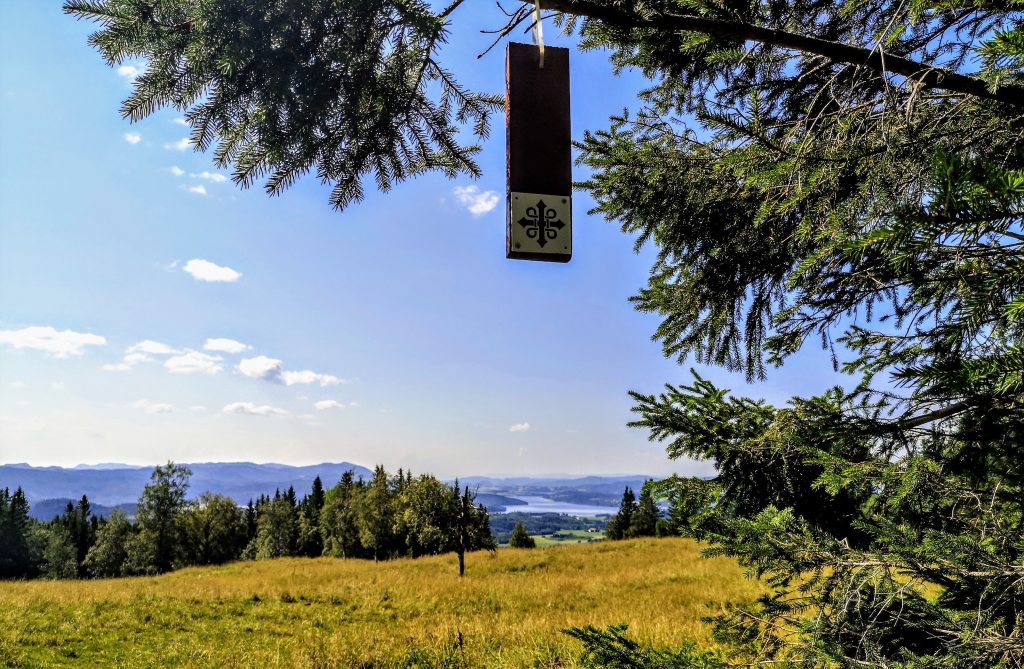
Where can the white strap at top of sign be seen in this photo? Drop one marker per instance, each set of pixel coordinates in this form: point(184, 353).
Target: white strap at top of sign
point(538, 31)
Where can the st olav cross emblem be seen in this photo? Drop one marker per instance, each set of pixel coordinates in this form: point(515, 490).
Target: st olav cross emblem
point(541, 223)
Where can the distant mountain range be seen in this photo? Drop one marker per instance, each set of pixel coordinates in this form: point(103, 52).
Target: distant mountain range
point(110, 485)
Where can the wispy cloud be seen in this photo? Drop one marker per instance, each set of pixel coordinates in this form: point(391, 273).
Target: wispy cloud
point(250, 409)
point(194, 362)
point(150, 347)
point(476, 201)
point(175, 170)
point(132, 137)
point(225, 345)
point(198, 189)
point(180, 121)
point(519, 427)
point(215, 177)
point(128, 71)
point(182, 144)
point(323, 405)
point(140, 352)
point(204, 270)
point(153, 407)
point(58, 343)
point(308, 377)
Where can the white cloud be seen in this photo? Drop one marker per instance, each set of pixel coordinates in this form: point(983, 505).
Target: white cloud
point(519, 427)
point(18, 384)
point(132, 137)
point(57, 385)
point(307, 377)
point(153, 407)
point(250, 409)
point(261, 367)
point(194, 362)
point(140, 352)
point(199, 189)
point(204, 270)
point(323, 405)
point(270, 369)
point(128, 71)
point(58, 343)
point(180, 121)
point(478, 203)
point(175, 170)
point(181, 145)
point(215, 177)
point(149, 347)
point(225, 345)
point(197, 409)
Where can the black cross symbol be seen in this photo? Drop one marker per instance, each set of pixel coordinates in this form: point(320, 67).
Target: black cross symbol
point(540, 223)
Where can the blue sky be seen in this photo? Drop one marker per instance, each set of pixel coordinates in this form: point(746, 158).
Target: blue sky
point(151, 310)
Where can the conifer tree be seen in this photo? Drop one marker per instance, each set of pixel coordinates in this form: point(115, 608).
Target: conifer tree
point(520, 538)
point(375, 516)
point(644, 522)
point(618, 526)
point(338, 524)
point(16, 559)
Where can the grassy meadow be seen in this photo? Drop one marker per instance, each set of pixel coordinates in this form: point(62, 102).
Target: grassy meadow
point(508, 610)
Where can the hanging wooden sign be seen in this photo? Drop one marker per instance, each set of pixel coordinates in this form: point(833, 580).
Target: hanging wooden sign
point(538, 144)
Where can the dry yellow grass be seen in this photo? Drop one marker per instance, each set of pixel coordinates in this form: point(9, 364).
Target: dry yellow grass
point(509, 610)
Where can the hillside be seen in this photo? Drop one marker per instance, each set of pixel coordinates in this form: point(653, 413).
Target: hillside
point(326, 612)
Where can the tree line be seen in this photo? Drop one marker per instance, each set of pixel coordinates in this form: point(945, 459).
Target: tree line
point(387, 517)
point(639, 518)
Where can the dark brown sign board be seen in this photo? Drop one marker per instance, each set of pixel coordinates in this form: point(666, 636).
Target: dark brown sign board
point(539, 154)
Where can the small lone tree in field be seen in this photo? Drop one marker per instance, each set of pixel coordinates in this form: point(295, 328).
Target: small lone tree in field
point(520, 538)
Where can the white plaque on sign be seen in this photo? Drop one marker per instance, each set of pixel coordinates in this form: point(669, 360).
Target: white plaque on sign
point(540, 226)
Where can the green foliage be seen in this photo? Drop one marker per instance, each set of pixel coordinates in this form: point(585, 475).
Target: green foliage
point(212, 529)
point(611, 649)
point(796, 195)
point(644, 522)
point(16, 555)
point(520, 538)
point(276, 530)
point(158, 544)
point(338, 519)
point(341, 88)
point(109, 553)
point(619, 525)
point(59, 558)
point(81, 525)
